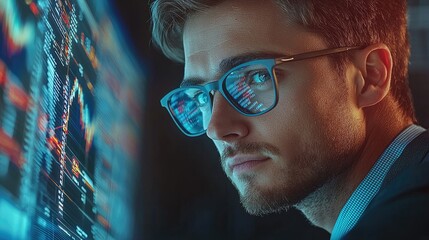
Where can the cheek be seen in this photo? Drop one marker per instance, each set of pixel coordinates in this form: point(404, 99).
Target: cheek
point(284, 126)
point(307, 107)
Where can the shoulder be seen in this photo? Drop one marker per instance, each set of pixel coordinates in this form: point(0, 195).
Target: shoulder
point(400, 210)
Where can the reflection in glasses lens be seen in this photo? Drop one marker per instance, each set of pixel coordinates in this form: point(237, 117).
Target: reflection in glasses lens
point(191, 109)
point(251, 88)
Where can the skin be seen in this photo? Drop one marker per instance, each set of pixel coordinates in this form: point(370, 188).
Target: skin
point(317, 144)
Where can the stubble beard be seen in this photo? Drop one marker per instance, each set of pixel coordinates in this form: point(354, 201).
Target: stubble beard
point(255, 201)
point(309, 184)
point(258, 203)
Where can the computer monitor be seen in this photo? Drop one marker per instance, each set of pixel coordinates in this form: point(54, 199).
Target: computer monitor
point(70, 115)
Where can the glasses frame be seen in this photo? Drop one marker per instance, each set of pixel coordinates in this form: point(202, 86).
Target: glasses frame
point(270, 64)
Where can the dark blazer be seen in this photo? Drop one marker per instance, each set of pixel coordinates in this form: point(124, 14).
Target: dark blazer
point(401, 208)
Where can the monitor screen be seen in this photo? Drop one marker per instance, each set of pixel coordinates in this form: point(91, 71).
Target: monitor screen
point(70, 114)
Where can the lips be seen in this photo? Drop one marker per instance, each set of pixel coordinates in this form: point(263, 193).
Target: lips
point(242, 163)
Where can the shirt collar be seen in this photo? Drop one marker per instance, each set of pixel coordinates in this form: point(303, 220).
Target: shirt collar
point(370, 185)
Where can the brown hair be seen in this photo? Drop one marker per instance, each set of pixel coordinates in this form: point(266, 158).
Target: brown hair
point(340, 23)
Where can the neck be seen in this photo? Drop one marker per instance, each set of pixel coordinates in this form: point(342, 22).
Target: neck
point(323, 206)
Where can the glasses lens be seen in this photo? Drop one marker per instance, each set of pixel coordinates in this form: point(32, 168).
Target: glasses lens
point(251, 89)
point(191, 109)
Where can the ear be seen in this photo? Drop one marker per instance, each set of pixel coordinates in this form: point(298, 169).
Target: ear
point(376, 69)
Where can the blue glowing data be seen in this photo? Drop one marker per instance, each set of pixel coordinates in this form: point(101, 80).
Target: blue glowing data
point(70, 114)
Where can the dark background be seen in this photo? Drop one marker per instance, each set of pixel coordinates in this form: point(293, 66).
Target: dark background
point(182, 192)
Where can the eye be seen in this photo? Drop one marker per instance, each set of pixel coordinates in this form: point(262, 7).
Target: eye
point(258, 77)
point(201, 99)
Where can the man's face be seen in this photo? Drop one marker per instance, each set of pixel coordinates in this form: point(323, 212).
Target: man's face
point(313, 134)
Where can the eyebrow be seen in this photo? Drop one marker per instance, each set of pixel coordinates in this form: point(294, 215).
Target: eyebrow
point(230, 63)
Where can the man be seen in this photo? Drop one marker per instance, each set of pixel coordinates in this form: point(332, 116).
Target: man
point(308, 105)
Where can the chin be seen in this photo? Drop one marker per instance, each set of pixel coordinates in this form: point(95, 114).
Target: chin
point(257, 201)
point(259, 206)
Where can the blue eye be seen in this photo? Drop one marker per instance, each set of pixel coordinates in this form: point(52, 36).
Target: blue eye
point(201, 99)
point(258, 77)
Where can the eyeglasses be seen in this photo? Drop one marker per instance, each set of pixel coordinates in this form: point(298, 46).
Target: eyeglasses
point(250, 88)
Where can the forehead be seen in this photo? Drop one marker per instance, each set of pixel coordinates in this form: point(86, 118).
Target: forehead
point(236, 27)
point(230, 24)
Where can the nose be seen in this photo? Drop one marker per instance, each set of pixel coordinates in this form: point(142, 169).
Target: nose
point(226, 123)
